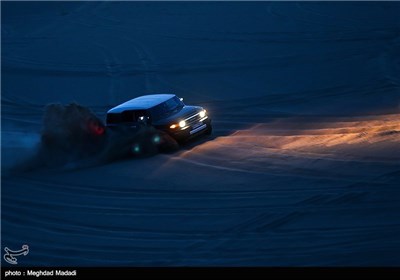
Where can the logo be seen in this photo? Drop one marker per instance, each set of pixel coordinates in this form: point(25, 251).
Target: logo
point(10, 255)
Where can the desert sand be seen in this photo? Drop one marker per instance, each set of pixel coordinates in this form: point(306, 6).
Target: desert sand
point(303, 166)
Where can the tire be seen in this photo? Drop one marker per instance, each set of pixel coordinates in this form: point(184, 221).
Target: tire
point(168, 144)
point(209, 130)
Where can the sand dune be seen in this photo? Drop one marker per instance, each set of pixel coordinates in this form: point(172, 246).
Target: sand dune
point(302, 168)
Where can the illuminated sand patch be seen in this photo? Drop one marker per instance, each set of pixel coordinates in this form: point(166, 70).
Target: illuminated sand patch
point(298, 146)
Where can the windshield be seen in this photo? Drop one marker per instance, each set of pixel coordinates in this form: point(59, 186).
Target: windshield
point(166, 108)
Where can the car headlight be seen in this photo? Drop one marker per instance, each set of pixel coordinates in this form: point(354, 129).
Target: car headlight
point(202, 114)
point(182, 124)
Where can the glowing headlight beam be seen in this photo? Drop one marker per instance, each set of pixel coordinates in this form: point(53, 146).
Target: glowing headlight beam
point(182, 124)
point(202, 114)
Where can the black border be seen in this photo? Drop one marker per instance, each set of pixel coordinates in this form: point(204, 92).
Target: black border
point(176, 272)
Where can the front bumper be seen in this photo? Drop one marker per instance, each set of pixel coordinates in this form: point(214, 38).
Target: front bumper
point(192, 131)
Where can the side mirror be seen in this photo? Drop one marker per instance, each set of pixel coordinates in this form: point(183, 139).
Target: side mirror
point(143, 120)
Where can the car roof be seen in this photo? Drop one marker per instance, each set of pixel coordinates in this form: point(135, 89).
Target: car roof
point(142, 102)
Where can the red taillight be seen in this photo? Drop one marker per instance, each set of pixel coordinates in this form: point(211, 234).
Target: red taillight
point(96, 128)
point(99, 130)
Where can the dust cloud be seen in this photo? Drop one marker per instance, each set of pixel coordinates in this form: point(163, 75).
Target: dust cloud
point(73, 137)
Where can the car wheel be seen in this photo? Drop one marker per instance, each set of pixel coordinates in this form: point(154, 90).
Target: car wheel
point(209, 130)
point(168, 143)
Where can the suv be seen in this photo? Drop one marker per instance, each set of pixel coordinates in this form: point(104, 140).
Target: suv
point(165, 112)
